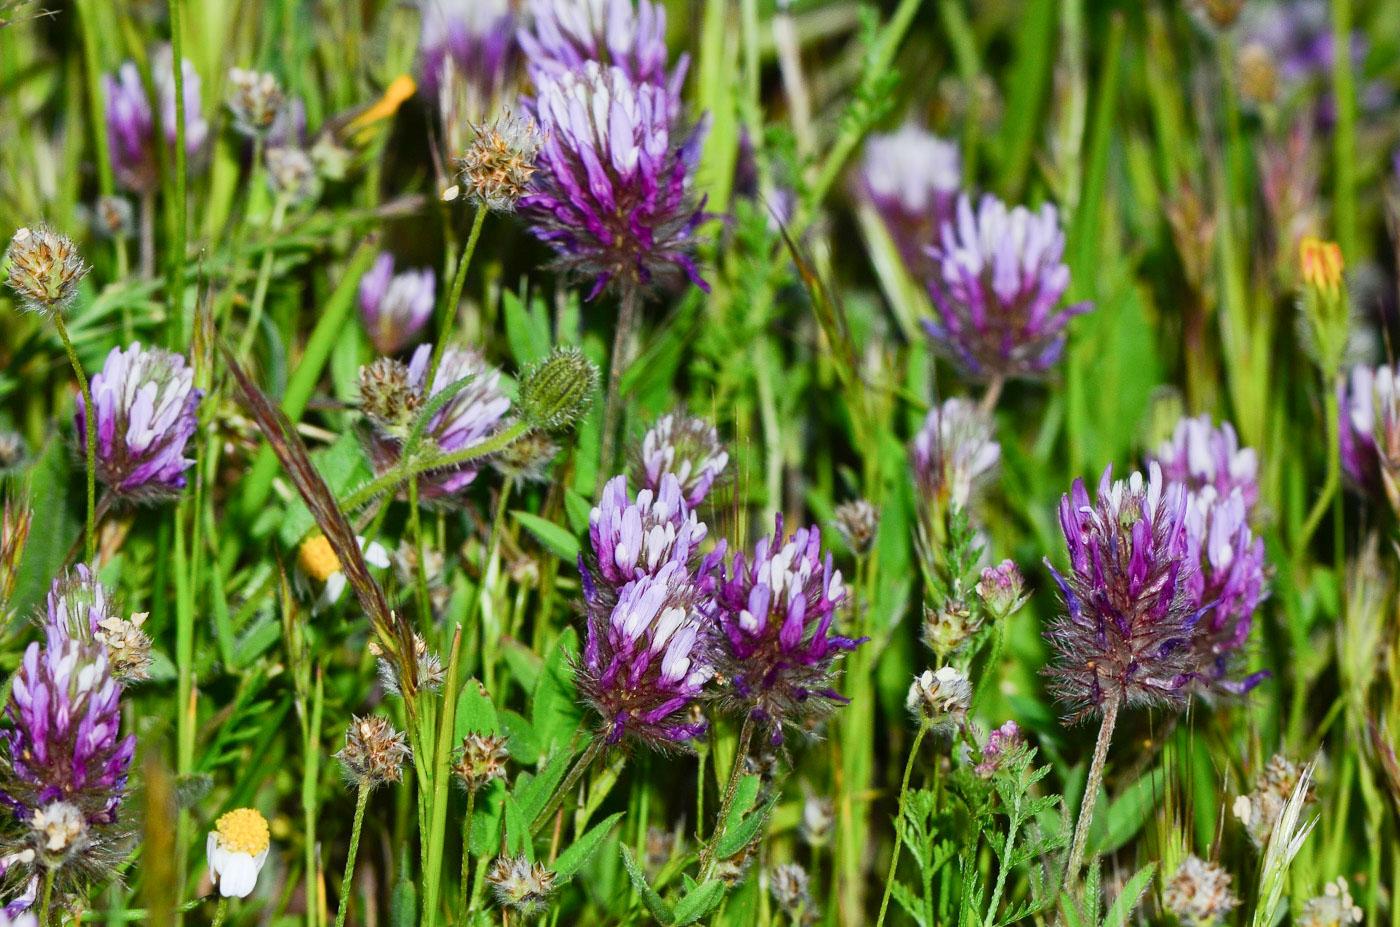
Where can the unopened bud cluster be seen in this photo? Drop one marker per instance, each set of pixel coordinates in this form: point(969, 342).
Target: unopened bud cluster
point(557, 391)
point(387, 398)
point(481, 761)
point(374, 752)
point(521, 885)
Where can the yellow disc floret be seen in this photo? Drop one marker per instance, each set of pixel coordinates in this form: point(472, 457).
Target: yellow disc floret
point(317, 559)
point(242, 831)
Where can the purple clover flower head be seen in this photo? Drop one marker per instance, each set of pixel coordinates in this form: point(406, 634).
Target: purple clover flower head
point(1126, 636)
point(64, 743)
point(774, 638)
point(1227, 587)
point(953, 453)
point(146, 406)
point(476, 36)
point(636, 538)
point(613, 193)
point(644, 660)
point(1199, 455)
point(912, 177)
point(78, 604)
point(998, 288)
point(395, 307)
point(468, 418)
point(688, 447)
point(131, 125)
point(626, 34)
point(1002, 745)
point(1356, 428)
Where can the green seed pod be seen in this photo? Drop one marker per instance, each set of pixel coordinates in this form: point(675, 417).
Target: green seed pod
point(558, 390)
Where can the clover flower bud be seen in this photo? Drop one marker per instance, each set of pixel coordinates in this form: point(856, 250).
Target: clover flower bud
point(113, 217)
point(374, 752)
point(1002, 746)
point(556, 392)
point(482, 760)
point(291, 174)
point(1199, 893)
point(940, 697)
point(45, 269)
point(520, 884)
point(791, 887)
point(1002, 589)
point(950, 626)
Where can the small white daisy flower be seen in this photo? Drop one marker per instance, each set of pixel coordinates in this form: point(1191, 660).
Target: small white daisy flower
point(237, 849)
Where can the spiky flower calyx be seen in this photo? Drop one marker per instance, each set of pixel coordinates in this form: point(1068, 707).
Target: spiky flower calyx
point(500, 162)
point(688, 447)
point(374, 753)
point(1199, 893)
point(45, 269)
point(1127, 633)
point(481, 761)
point(556, 391)
point(774, 639)
point(387, 398)
point(997, 291)
point(146, 412)
point(521, 885)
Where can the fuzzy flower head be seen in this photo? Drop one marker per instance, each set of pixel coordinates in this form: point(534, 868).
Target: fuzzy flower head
point(237, 848)
point(45, 269)
point(500, 161)
point(1125, 638)
point(688, 447)
point(636, 538)
point(953, 453)
point(1199, 893)
point(131, 122)
point(644, 660)
point(774, 637)
point(374, 752)
point(941, 697)
point(998, 288)
point(521, 885)
point(395, 307)
point(1199, 455)
point(629, 35)
point(468, 418)
point(146, 405)
point(387, 398)
point(1227, 587)
point(613, 196)
point(857, 520)
point(912, 177)
point(65, 743)
point(1259, 811)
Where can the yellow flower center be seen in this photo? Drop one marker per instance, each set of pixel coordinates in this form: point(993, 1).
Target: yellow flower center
point(317, 559)
point(1322, 264)
point(242, 831)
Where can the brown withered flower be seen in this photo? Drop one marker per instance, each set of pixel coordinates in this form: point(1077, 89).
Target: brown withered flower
point(386, 397)
point(500, 161)
point(374, 752)
point(520, 884)
point(45, 269)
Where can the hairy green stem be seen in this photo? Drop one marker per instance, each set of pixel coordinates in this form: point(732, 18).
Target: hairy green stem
point(406, 469)
point(1091, 795)
point(464, 885)
point(220, 912)
point(622, 337)
point(347, 883)
point(454, 296)
point(90, 427)
point(1332, 480)
point(899, 817)
point(736, 772)
point(568, 784)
